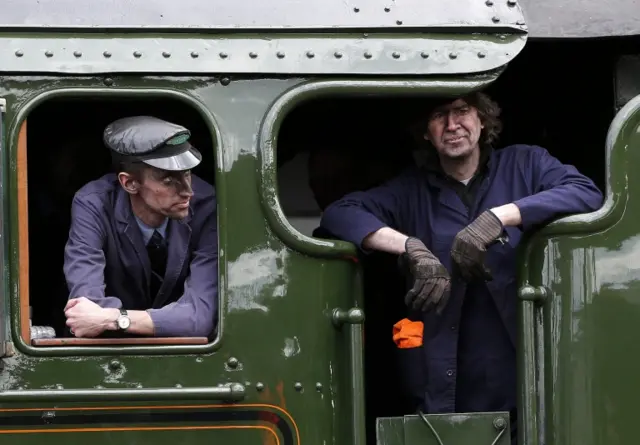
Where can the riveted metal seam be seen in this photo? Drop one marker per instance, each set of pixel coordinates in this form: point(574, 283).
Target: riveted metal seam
point(340, 54)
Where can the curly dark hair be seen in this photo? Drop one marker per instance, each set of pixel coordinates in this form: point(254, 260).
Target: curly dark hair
point(488, 112)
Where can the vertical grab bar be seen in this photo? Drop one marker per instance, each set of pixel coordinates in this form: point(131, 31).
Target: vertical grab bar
point(530, 355)
point(354, 317)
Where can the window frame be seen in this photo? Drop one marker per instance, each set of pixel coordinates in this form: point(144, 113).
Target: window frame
point(287, 102)
point(18, 237)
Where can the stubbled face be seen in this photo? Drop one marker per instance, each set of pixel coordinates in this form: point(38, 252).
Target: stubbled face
point(166, 193)
point(454, 130)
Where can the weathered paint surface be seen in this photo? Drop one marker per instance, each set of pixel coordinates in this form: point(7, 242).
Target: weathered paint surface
point(300, 366)
point(263, 283)
point(297, 54)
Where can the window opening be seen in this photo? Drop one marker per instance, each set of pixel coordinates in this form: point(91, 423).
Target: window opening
point(59, 150)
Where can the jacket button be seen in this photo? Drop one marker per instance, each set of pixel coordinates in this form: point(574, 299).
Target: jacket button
point(449, 373)
point(453, 328)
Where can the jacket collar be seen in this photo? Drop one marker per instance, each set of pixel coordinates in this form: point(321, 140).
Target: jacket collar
point(433, 167)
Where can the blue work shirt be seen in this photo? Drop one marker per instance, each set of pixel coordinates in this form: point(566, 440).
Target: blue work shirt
point(106, 260)
point(467, 361)
point(147, 231)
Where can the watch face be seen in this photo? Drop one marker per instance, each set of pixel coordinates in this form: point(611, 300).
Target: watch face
point(123, 322)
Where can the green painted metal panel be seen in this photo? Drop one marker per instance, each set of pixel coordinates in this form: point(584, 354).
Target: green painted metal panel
point(282, 340)
point(581, 311)
point(327, 53)
point(444, 429)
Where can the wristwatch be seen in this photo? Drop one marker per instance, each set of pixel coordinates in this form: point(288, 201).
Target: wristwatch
point(123, 321)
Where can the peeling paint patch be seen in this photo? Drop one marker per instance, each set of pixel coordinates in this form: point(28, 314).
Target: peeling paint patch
point(113, 375)
point(256, 276)
point(291, 347)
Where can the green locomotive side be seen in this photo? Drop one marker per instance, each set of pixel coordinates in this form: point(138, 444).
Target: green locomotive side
point(288, 363)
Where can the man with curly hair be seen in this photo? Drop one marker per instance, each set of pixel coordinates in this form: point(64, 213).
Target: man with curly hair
point(456, 223)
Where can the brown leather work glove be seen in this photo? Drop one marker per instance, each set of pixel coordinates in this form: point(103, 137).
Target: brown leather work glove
point(469, 247)
point(431, 281)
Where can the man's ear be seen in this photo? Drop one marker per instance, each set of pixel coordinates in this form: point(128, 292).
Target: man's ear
point(129, 183)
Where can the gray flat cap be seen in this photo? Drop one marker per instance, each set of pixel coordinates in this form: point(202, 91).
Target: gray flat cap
point(155, 142)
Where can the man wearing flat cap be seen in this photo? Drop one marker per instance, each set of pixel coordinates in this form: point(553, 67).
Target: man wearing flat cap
point(142, 253)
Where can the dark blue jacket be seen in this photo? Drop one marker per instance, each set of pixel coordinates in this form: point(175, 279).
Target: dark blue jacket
point(423, 204)
point(106, 260)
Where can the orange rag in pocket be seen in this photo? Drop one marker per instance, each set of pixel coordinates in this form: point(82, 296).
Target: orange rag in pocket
point(408, 334)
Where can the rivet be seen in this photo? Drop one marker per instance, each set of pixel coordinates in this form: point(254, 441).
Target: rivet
point(106, 54)
point(395, 55)
point(453, 55)
point(318, 386)
point(367, 55)
point(108, 81)
point(194, 54)
point(77, 53)
point(99, 387)
point(114, 364)
point(19, 53)
point(495, 19)
point(247, 383)
point(489, 3)
point(387, 9)
point(499, 423)
point(139, 386)
point(481, 54)
point(178, 385)
point(232, 362)
point(48, 53)
point(48, 416)
point(137, 54)
point(225, 81)
point(280, 55)
point(259, 386)
point(298, 386)
point(398, 22)
point(365, 34)
point(223, 55)
point(337, 54)
point(424, 55)
point(59, 386)
point(166, 54)
point(511, 2)
point(253, 55)
point(356, 9)
point(310, 54)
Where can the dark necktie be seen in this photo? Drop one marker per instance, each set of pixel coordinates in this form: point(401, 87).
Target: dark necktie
point(157, 250)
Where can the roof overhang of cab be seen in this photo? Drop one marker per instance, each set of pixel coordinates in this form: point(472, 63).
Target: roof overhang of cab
point(581, 18)
point(402, 37)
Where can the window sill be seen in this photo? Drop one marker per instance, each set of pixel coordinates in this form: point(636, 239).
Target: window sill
point(120, 341)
